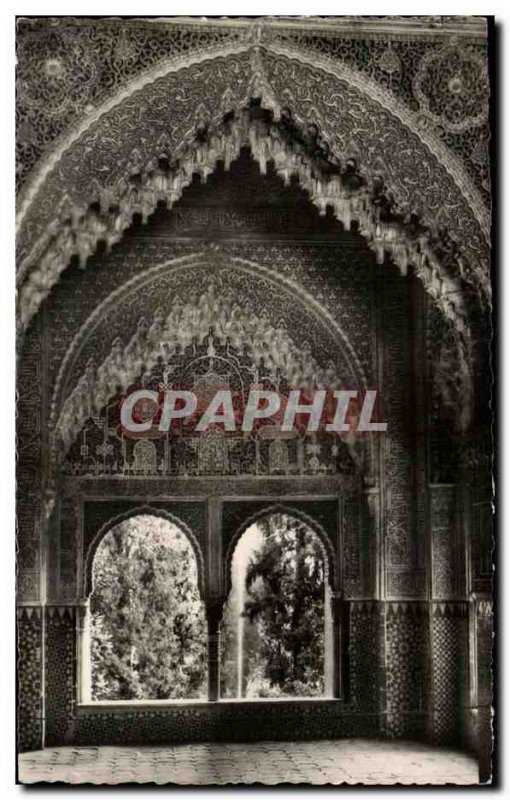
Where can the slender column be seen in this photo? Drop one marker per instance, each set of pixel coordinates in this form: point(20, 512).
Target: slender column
point(328, 642)
point(214, 609)
point(214, 549)
point(344, 649)
point(83, 638)
point(373, 583)
point(241, 589)
point(336, 640)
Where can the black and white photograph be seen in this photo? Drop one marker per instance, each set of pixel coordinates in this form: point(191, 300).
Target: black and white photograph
point(255, 393)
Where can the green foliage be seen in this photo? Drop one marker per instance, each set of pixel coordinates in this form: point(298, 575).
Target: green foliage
point(283, 633)
point(148, 627)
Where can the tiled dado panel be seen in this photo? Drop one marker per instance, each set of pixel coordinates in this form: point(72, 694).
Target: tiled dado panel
point(409, 661)
point(407, 669)
point(222, 721)
point(30, 676)
point(60, 674)
point(394, 687)
point(366, 656)
point(450, 675)
point(389, 664)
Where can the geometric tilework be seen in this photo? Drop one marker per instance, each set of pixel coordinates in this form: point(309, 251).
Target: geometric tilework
point(366, 654)
point(60, 673)
point(225, 721)
point(29, 674)
point(406, 668)
point(448, 671)
point(392, 633)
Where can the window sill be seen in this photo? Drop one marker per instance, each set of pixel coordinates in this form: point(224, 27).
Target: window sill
point(99, 706)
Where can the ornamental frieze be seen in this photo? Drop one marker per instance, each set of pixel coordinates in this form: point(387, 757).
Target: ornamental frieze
point(62, 63)
point(390, 227)
point(346, 112)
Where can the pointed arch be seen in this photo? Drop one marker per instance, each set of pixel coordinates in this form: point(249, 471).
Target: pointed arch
point(72, 404)
point(404, 168)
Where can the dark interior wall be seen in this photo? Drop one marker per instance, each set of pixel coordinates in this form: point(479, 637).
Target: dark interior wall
point(398, 639)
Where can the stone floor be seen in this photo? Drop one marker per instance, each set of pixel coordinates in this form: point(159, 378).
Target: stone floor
point(347, 760)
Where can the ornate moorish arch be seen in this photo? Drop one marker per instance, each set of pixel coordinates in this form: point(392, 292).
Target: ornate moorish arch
point(148, 510)
point(409, 196)
point(336, 651)
point(331, 558)
point(84, 386)
point(377, 165)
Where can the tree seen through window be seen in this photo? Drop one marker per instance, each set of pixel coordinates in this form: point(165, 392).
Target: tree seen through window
point(274, 629)
point(148, 631)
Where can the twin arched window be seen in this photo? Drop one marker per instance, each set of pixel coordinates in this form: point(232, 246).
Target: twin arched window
point(147, 637)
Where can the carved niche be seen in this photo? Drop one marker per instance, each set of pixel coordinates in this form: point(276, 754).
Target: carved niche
point(213, 339)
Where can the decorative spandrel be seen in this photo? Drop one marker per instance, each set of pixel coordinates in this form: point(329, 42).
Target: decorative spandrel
point(337, 155)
